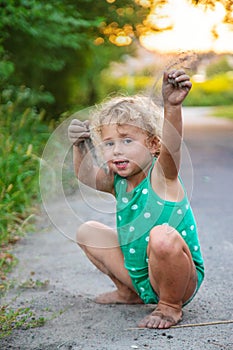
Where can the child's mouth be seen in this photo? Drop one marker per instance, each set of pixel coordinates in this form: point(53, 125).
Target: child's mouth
point(121, 164)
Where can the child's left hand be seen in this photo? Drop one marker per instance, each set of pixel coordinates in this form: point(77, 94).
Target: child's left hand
point(176, 86)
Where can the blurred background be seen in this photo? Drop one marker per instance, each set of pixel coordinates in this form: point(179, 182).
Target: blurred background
point(59, 57)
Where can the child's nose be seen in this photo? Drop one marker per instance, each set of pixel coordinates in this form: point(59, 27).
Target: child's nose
point(117, 148)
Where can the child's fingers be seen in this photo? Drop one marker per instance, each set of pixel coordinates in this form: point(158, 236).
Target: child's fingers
point(77, 134)
point(176, 72)
point(179, 78)
point(87, 123)
point(78, 131)
point(81, 135)
point(78, 128)
point(180, 83)
point(76, 122)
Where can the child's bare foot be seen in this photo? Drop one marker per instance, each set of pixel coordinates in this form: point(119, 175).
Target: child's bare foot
point(116, 297)
point(164, 316)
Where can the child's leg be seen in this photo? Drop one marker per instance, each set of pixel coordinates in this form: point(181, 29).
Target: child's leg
point(100, 244)
point(172, 275)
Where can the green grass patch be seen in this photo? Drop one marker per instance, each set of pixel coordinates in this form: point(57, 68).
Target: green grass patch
point(217, 91)
point(34, 284)
point(22, 139)
point(7, 262)
point(23, 136)
point(223, 111)
point(20, 318)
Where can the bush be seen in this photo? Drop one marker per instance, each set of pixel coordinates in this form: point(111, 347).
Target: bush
point(212, 92)
point(23, 135)
point(219, 65)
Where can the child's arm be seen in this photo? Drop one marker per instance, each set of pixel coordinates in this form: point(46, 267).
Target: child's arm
point(85, 169)
point(176, 86)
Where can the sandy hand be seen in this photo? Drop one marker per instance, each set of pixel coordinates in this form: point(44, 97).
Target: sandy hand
point(78, 131)
point(176, 86)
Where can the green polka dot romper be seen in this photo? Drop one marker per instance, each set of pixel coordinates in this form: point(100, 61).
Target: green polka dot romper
point(138, 212)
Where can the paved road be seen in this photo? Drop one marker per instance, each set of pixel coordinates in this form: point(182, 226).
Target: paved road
point(75, 322)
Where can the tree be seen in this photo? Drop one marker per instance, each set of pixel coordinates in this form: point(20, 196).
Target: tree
point(59, 47)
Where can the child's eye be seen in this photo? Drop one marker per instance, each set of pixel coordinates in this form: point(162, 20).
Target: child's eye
point(108, 143)
point(127, 140)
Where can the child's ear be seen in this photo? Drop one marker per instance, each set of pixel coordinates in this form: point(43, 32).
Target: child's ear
point(153, 144)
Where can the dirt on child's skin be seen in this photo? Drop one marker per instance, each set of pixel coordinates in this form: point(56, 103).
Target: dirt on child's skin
point(56, 281)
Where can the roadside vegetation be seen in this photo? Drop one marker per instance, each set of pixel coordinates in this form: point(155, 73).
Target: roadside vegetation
point(217, 87)
point(23, 136)
point(20, 318)
point(223, 112)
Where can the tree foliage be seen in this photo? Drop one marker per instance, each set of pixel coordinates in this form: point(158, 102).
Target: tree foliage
point(55, 47)
point(58, 49)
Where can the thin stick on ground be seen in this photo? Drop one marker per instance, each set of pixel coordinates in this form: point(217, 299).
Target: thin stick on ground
point(189, 325)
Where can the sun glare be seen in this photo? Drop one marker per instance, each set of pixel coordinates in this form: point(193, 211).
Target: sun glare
point(186, 27)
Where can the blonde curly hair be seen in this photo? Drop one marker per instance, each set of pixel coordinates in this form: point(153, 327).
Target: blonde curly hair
point(135, 110)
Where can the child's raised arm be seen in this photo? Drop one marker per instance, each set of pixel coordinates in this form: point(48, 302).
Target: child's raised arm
point(176, 86)
point(84, 167)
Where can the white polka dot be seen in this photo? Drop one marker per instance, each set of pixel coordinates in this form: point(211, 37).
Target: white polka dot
point(134, 207)
point(195, 248)
point(179, 211)
point(147, 260)
point(184, 233)
point(131, 229)
point(125, 200)
point(165, 224)
point(142, 289)
point(147, 238)
point(192, 227)
point(119, 218)
point(133, 269)
point(145, 191)
point(132, 250)
point(122, 182)
point(147, 215)
point(187, 206)
point(159, 203)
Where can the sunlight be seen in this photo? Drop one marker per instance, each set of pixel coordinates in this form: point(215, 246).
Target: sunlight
point(186, 27)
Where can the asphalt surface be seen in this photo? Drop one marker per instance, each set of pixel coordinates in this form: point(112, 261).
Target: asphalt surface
point(74, 321)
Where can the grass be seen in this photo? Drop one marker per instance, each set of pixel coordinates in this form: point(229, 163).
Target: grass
point(216, 91)
point(20, 318)
point(22, 138)
point(7, 262)
point(19, 163)
point(223, 112)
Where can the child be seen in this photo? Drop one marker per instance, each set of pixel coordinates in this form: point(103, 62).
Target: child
point(155, 256)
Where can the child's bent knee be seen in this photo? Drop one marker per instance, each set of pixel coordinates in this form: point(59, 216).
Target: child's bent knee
point(83, 231)
point(96, 235)
point(164, 240)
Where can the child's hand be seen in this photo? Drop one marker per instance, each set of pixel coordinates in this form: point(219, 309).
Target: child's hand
point(78, 131)
point(176, 86)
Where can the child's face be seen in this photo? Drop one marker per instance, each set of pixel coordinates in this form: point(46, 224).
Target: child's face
point(126, 149)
